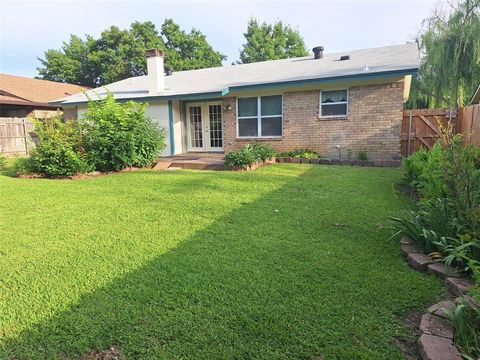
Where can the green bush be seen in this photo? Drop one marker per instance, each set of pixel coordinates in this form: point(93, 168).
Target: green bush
point(301, 153)
point(264, 151)
point(116, 136)
point(362, 155)
point(111, 137)
point(242, 158)
point(25, 165)
point(447, 218)
point(58, 151)
point(3, 162)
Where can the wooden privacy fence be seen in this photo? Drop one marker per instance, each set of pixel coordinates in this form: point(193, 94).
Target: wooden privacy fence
point(16, 136)
point(469, 124)
point(420, 126)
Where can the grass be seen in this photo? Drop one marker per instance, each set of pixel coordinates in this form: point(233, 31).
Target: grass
point(289, 261)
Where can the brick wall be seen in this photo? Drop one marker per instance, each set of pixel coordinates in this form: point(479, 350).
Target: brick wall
point(373, 123)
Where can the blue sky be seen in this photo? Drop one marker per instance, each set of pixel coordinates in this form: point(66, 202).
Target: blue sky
point(27, 29)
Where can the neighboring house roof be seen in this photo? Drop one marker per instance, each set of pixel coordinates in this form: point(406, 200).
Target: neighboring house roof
point(476, 96)
point(19, 90)
point(219, 81)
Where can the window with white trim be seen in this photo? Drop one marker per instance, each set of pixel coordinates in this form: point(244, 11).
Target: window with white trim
point(260, 116)
point(334, 103)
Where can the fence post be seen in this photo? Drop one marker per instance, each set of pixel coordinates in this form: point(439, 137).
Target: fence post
point(25, 135)
point(409, 132)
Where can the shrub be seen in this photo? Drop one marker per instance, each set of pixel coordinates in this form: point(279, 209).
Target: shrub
point(362, 155)
point(301, 153)
point(447, 177)
point(58, 151)
point(264, 151)
point(3, 162)
point(447, 219)
point(242, 158)
point(413, 226)
point(116, 136)
point(25, 165)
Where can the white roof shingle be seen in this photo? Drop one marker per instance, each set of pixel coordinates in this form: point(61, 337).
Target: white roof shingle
point(396, 58)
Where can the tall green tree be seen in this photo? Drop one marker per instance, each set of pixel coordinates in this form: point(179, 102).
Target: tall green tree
point(271, 42)
point(118, 54)
point(450, 67)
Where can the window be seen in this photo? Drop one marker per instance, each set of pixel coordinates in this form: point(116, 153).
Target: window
point(260, 116)
point(334, 103)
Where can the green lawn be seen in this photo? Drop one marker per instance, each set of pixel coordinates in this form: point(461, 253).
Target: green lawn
point(201, 264)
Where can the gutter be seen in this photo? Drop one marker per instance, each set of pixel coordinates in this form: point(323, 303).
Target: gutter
point(283, 84)
point(322, 80)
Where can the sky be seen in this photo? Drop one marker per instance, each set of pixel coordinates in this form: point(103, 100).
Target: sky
point(27, 29)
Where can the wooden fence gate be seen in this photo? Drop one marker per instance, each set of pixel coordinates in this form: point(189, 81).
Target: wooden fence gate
point(15, 136)
point(420, 126)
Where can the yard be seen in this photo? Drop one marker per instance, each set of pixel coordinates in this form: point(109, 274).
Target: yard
point(289, 261)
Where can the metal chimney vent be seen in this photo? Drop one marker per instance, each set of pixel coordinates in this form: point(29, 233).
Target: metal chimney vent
point(318, 52)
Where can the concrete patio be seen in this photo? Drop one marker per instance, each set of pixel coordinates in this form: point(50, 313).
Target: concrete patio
point(194, 161)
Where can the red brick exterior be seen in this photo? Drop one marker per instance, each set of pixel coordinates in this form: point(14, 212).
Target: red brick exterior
point(373, 123)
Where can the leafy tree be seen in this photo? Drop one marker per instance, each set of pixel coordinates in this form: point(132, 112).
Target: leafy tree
point(119, 54)
point(271, 42)
point(450, 69)
point(188, 51)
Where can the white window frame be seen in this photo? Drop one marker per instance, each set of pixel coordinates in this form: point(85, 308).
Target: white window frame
point(259, 118)
point(333, 103)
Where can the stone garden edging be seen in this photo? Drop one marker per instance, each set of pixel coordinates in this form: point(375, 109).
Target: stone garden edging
point(370, 163)
point(436, 331)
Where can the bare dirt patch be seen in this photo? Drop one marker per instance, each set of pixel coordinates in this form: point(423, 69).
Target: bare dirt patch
point(408, 346)
point(111, 353)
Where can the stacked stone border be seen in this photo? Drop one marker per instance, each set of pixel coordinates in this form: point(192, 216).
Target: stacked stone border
point(290, 160)
point(370, 163)
point(436, 331)
point(253, 166)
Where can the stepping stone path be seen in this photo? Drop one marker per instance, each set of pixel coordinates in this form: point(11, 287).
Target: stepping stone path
point(436, 332)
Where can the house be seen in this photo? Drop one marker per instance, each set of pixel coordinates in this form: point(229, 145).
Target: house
point(21, 96)
point(351, 100)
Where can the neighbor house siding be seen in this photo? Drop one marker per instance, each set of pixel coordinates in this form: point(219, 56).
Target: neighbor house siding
point(70, 113)
point(373, 123)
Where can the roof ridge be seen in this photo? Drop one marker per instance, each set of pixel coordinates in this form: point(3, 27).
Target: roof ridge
point(43, 80)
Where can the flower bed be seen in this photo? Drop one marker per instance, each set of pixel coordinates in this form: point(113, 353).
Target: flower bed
point(442, 236)
point(436, 329)
point(323, 161)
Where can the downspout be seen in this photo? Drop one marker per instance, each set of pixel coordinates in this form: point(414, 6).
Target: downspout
point(170, 125)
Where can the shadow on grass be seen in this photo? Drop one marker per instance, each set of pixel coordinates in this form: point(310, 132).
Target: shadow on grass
point(257, 283)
